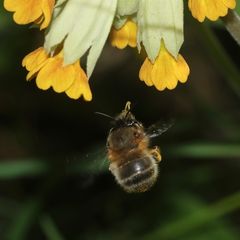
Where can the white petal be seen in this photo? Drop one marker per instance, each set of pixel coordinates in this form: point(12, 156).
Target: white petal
point(58, 8)
point(102, 29)
point(82, 24)
point(127, 7)
point(160, 19)
point(62, 24)
point(94, 22)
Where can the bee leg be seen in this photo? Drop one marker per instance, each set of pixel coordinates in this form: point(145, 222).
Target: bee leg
point(156, 154)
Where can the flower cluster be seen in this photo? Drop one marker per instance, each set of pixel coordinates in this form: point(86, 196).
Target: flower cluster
point(74, 28)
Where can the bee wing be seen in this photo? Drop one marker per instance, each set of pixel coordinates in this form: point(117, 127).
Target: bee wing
point(158, 128)
point(92, 161)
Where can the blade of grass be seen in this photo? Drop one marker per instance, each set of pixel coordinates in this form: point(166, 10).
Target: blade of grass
point(23, 220)
point(27, 214)
point(50, 229)
point(206, 150)
point(197, 219)
point(22, 167)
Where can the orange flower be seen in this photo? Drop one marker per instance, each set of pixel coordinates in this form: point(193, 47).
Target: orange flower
point(28, 11)
point(51, 72)
point(165, 72)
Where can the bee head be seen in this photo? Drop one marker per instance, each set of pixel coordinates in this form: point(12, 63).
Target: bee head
point(126, 131)
point(125, 118)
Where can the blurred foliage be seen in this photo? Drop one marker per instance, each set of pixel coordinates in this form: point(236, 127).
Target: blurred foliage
point(54, 178)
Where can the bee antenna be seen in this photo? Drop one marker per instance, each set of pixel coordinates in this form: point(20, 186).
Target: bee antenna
point(127, 113)
point(127, 108)
point(104, 114)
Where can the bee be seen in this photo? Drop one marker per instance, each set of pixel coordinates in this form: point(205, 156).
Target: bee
point(133, 163)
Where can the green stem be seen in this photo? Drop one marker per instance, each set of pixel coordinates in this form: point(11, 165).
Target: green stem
point(220, 57)
point(49, 228)
point(232, 23)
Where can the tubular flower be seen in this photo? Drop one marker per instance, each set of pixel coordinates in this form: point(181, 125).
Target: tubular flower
point(165, 72)
point(82, 27)
point(34, 61)
point(125, 36)
point(51, 72)
point(211, 9)
point(79, 29)
point(28, 11)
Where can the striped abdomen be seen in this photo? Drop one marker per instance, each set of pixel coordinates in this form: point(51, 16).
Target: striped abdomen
point(137, 175)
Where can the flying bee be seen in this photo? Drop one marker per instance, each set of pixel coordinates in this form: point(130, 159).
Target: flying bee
point(133, 163)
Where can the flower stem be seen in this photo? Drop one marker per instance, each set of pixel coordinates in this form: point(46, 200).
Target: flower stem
point(221, 58)
point(232, 24)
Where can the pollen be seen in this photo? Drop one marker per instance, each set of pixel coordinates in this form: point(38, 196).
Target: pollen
point(31, 11)
point(165, 72)
point(125, 36)
point(51, 72)
point(211, 9)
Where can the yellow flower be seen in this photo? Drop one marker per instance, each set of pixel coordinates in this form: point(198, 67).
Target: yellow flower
point(34, 61)
point(212, 9)
point(80, 86)
point(125, 36)
point(165, 72)
point(28, 11)
point(51, 72)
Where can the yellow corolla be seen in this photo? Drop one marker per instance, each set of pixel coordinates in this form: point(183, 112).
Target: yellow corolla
point(31, 11)
point(51, 72)
point(125, 36)
point(165, 72)
point(211, 9)
point(79, 86)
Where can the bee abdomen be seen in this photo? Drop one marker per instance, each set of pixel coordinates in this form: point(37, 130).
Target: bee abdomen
point(140, 182)
point(138, 175)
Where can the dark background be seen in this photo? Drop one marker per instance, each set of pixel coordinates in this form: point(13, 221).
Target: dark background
point(54, 178)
